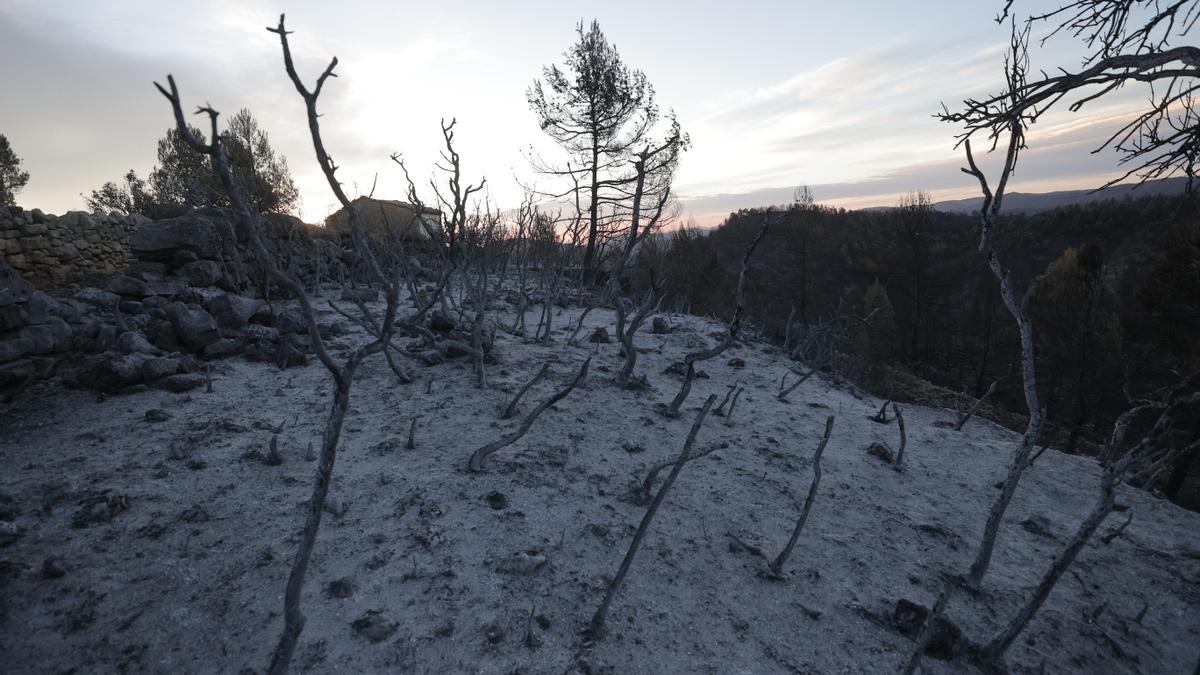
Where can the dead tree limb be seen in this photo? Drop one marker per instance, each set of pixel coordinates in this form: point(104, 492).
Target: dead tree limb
point(648, 483)
point(778, 562)
point(732, 404)
point(475, 463)
point(899, 465)
point(511, 408)
point(963, 419)
point(881, 416)
point(596, 627)
point(720, 409)
point(803, 378)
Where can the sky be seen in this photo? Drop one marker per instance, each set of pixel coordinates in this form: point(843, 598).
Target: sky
point(839, 96)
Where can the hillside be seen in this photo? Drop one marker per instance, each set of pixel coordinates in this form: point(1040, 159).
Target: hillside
point(174, 538)
point(1036, 202)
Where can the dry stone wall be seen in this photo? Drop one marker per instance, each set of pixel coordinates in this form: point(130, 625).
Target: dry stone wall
point(73, 246)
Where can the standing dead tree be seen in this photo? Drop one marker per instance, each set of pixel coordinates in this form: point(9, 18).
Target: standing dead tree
point(1012, 125)
point(1151, 450)
point(735, 325)
point(658, 164)
point(899, 465)
point(777, 564)
point(596, 627)
point(342, 373)
point(475, 463)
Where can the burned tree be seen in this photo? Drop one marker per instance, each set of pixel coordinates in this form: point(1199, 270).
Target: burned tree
point(598, 110)
point(778, 562)
point(1013, 126)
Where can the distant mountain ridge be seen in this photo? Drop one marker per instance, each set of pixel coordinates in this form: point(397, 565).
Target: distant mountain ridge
point(1027, 203)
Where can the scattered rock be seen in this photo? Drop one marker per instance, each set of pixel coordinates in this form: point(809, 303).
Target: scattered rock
point(1038, 525)
point(194, 514)
point(9, 532)
point(880, 450)
point(660, 325)
point(157, 415)
point(339, 588)
point(737, 363)
point(600, 336)
point(52, 568)
point(374, 626)
point(523, 563)
point(233, 311)
point(496, 500)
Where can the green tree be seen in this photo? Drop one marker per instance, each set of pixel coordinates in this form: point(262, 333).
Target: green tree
point(183, 178)
point(12, 178)
point(130, 196)
point(264, 177)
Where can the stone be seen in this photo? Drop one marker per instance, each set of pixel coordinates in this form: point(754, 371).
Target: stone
point(202, 273)
point(106, 338)
point(291, 320)
point(97, 298)
point(523, 563)
point(13, 288)
point(133, 342)
point(158, 368)
point(156, 415)
point(16, 372)
point(161, 334)
point(197, 231)
point(374, 626)
point(181, 382)
point(116, 372)
point(52, 336)
point(660, 325)
point(945, 642)
point(233, 311)
point(222, 349)
point(600, 335)
point(881, 451)
point(195, 327)
point(737, 363)
point(130, 307)
point(37, 215)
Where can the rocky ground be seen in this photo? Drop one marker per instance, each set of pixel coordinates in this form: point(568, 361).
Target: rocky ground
point(152, 530)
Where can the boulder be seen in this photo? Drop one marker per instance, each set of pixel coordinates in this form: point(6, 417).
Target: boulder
point(97, 298)
point(600, 335)
point(197, 232)
point(128, 286)
point(133, 342)
point(158, 368)
point(113, 372)
point(195, 327)
point(181, 382)
point(660, 325)
point(233, 311)
point(13, 288)
point(291, 320)
point(52, 336)
point(16, 372)
point(221, 349)
point(202, 273)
